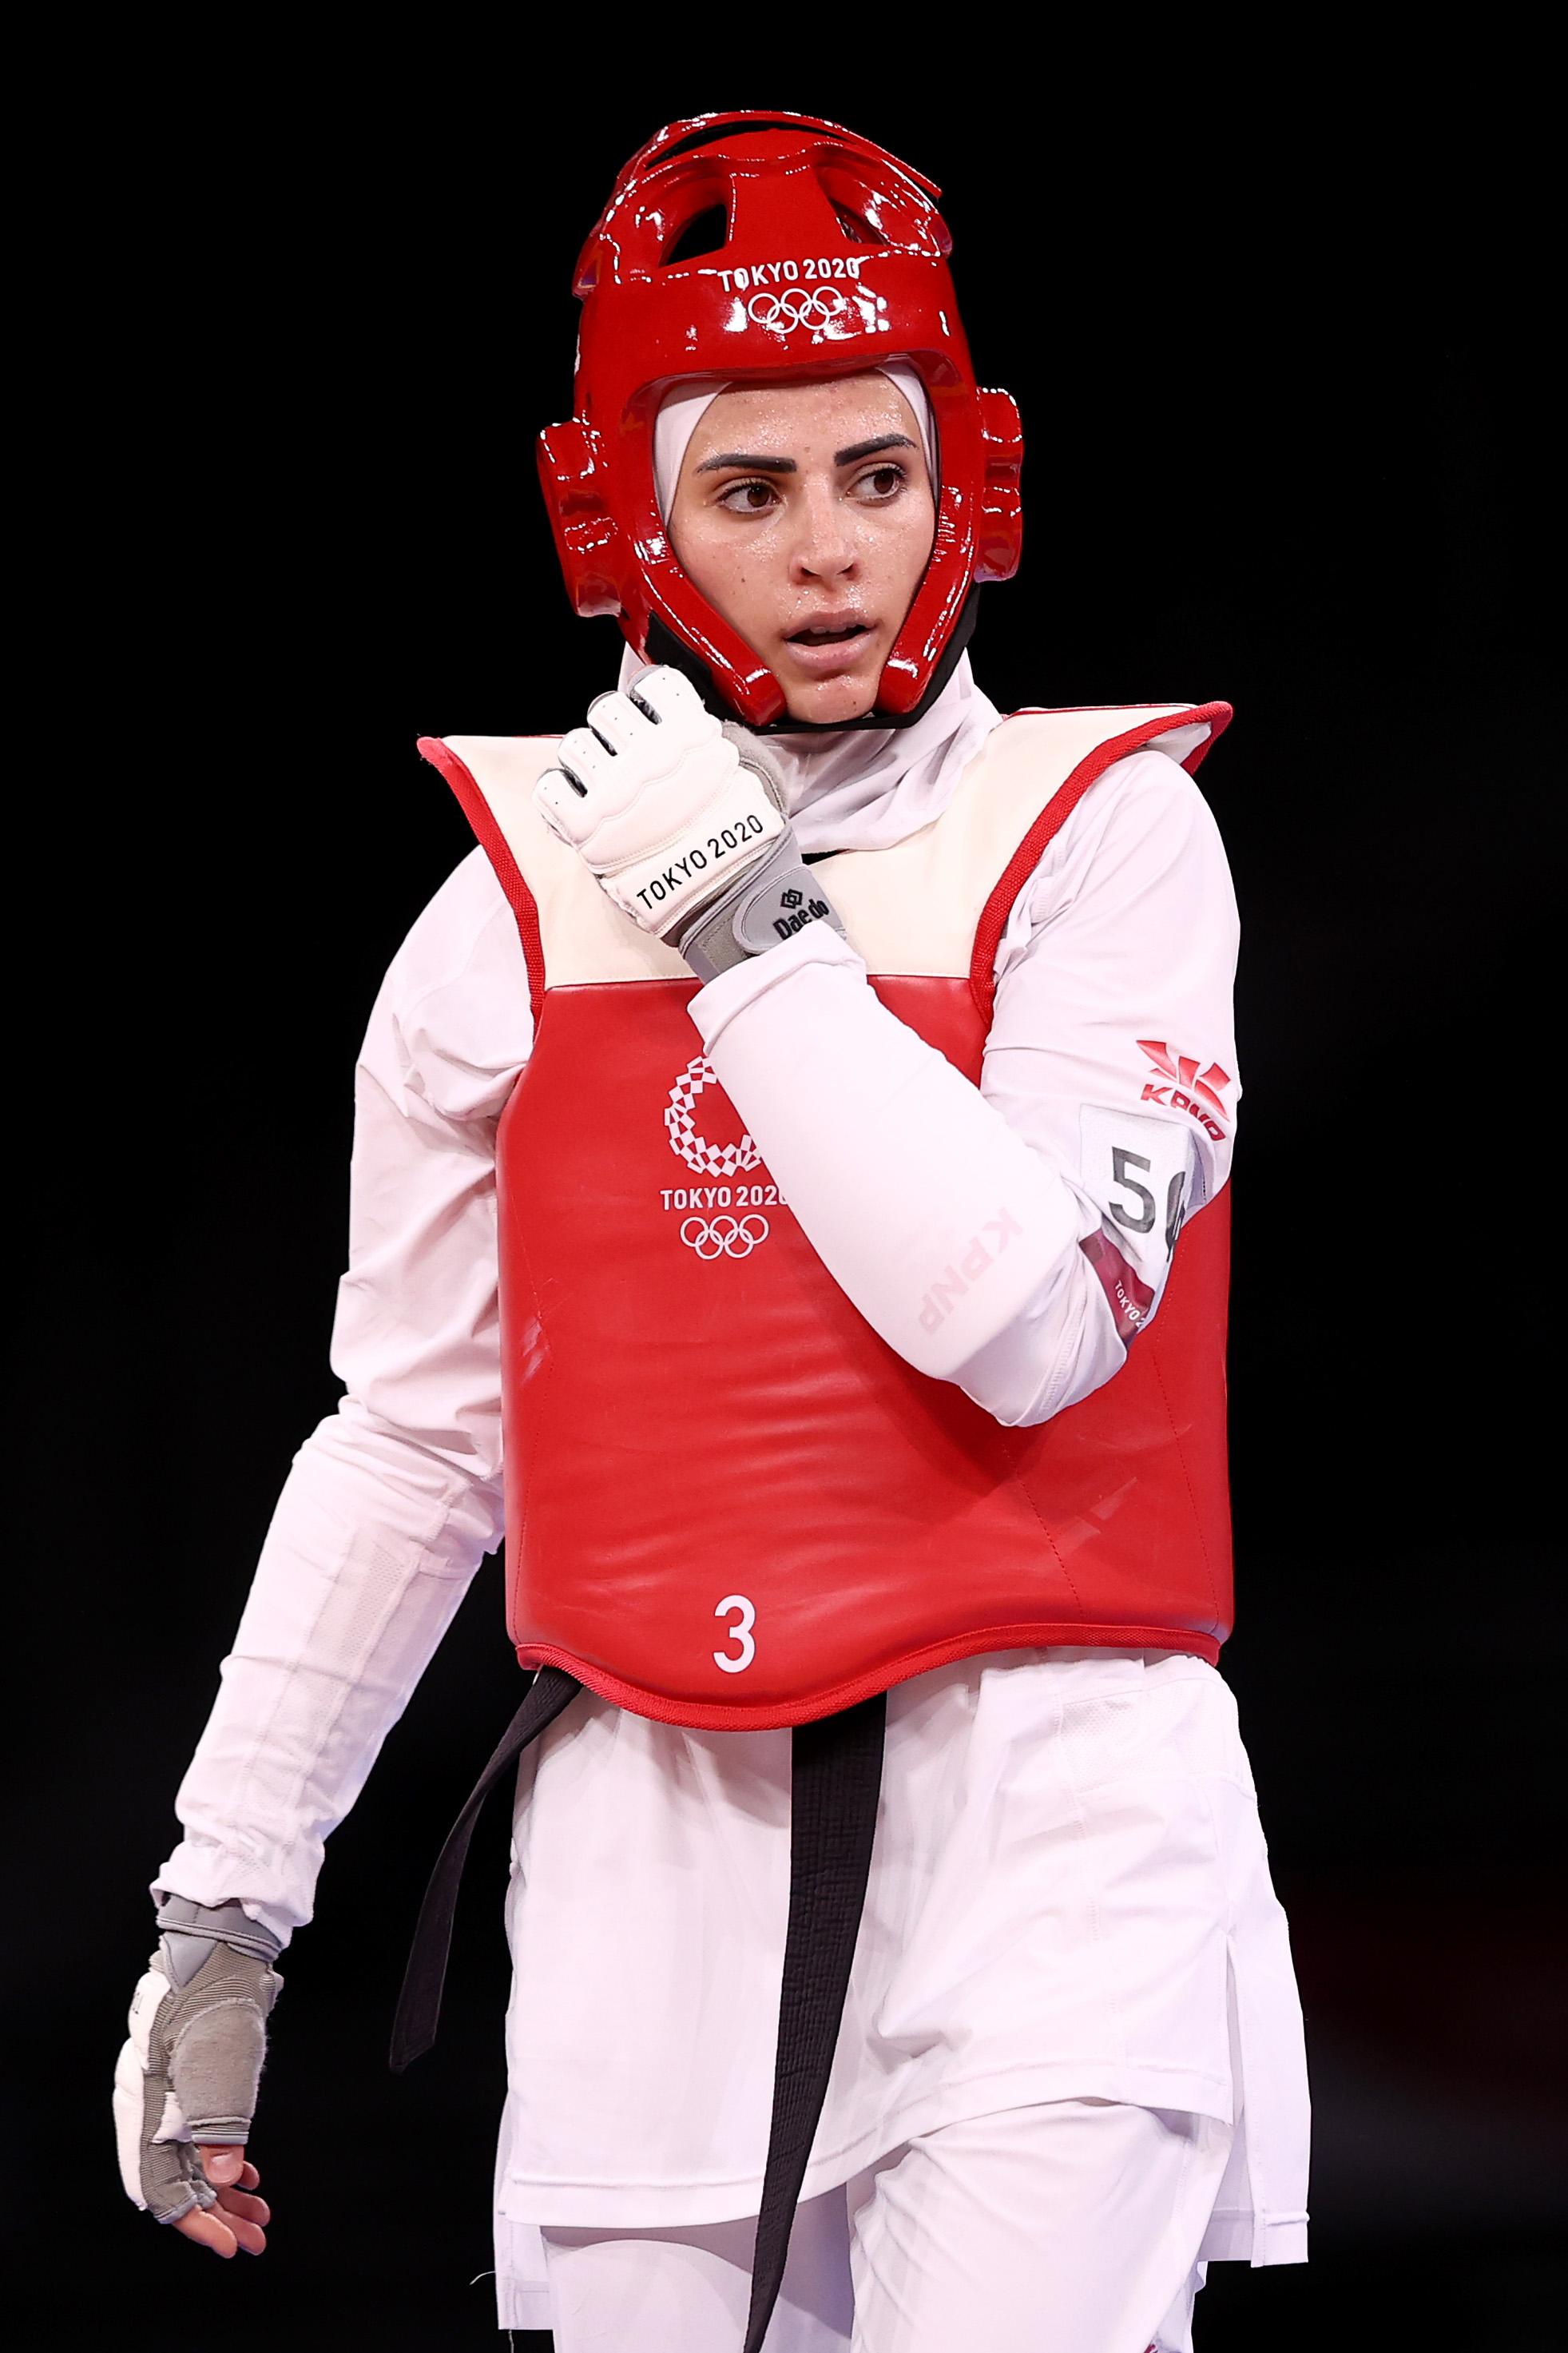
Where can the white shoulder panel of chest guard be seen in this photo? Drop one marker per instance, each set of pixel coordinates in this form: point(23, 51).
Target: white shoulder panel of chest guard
point(915, 908)
point(585, 935)
point(911, 909)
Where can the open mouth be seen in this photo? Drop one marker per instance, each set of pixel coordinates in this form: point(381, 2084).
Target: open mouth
point(829, 636)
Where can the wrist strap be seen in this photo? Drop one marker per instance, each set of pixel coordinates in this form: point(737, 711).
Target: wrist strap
point(187, 1933)
point(771, 902)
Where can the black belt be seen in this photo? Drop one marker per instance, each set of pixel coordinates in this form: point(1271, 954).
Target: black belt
point(836, 1780)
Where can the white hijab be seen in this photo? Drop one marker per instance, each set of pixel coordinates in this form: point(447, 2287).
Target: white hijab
point(860, 788)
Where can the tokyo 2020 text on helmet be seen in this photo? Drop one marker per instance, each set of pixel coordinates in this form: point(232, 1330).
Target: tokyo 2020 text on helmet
point(755, 248)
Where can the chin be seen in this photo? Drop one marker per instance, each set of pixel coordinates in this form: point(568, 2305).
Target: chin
point(831, 701)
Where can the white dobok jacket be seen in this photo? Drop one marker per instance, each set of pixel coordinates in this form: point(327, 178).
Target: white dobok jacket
point(1069, 1895)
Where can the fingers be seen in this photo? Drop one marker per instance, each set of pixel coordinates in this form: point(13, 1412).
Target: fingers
point(233, 2176)
point(248, 2208)
point(225, 2234)
point(644, 773)
point(236, 2223)
point(672, 699)
point(244, 2218)
point(562, 802)
point(618, 721)
point(594, 779)
point(204, 2226)
point(582, 755)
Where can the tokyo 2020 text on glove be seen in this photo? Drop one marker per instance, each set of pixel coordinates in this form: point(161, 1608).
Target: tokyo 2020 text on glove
point(684, 825)
point(189, 2071)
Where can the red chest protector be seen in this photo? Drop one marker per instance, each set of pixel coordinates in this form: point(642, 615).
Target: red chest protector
point(729, 1503)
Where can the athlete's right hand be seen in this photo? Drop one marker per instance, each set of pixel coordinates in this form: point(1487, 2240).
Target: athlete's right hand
point(657, 800)
point(185, 2085)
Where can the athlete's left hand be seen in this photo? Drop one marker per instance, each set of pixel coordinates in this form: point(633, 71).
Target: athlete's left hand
point(653, 795)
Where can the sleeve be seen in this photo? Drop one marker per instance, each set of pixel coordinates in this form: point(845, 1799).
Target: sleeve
point(394, 1500)
point(1012, 1238)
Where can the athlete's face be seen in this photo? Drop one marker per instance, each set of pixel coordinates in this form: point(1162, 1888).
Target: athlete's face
point(805, 515)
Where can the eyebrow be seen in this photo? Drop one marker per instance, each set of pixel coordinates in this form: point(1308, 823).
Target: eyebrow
point(859, 450)
point(850, 457)
point(758, 465)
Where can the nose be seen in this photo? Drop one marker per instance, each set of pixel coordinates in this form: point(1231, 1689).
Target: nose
point(825, 548)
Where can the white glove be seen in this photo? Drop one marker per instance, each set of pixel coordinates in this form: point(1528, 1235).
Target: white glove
point(654, 796)
point(188, 2073)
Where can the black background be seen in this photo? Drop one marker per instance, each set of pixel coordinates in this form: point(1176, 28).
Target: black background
point(1283, 393)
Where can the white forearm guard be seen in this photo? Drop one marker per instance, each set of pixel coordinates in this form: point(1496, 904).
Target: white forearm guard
point(935, 1219)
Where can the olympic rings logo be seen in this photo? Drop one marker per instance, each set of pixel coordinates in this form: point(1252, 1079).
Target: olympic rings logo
point(723, 1236)
point(833, 315)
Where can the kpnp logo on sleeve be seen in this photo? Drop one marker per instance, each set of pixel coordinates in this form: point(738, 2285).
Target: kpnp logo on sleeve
point(1184, 1088)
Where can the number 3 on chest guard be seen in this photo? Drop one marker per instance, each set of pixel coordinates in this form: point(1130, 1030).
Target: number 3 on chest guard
point(740, 1631)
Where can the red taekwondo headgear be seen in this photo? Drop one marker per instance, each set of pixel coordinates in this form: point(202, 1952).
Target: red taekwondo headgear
point(754, 248)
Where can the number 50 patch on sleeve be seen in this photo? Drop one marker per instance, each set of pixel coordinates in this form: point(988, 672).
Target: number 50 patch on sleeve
point(1140, 1171)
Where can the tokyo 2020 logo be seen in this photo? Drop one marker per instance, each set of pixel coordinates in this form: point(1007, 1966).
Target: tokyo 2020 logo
point(707, 1159)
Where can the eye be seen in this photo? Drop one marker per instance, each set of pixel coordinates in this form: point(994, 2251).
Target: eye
point(880, 484)
point(748, 498)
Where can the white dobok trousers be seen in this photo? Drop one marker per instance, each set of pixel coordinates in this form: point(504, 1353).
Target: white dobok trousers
point(1068, 1900)
point(1073, 2227)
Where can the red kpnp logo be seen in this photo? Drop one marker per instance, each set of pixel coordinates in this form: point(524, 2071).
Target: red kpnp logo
point(1182, 1086)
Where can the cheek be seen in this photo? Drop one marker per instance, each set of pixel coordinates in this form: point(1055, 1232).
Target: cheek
point(718, 565)
point(902, 549)
point(701, 559)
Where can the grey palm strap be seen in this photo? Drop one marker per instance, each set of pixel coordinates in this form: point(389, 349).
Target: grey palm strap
point(419, 2004)
point(837, 1781)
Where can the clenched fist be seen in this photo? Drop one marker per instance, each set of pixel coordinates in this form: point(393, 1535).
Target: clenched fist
point(654, 796)
point(684, 828)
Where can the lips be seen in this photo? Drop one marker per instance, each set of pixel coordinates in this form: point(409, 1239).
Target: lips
point(830, 643)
